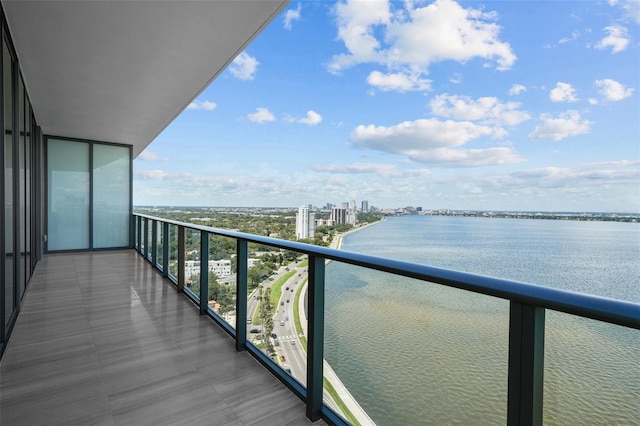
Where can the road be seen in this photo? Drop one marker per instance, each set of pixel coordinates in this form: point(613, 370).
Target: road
point(289, 347)
point(284, 325)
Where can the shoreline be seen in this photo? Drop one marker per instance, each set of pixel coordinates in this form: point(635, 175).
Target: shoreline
point(343, 393)
point(336, 243)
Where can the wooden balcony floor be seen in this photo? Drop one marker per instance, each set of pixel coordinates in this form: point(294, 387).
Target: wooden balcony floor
point(102, 339)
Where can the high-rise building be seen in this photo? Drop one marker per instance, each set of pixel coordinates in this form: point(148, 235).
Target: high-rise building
point(364, 207)
point(352, 217)
point(338, 215)
point(305, 223)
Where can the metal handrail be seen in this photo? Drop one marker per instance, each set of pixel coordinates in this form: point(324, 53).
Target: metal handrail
point(599, 308)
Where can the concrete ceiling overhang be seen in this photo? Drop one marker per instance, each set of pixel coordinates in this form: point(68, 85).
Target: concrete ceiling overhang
point(121, 71)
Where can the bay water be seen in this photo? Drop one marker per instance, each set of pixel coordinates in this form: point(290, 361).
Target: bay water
point(415, 353)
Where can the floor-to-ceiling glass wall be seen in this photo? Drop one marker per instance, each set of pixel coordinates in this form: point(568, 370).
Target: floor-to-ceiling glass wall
point(111, 195)
point(89, 195)
point(18, 228)
point(22, 203)
point(68, 194)
point(8, 193)
point(28, 187)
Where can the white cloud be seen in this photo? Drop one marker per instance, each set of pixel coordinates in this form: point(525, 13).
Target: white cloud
point(486, 110)
point(311, 119)
point(612, 90)
point(356, 22)
point(149, 156)
point(421, 134)
point(516, 89)
point(290, 16)
point(151, 174)
point(631, 7)
point(262, 115)
point(446, 157)
point(591, 174)
point(202, 105)
point(574, 36)
point(431, 141)
point(408, 40)
point(400, 82)
point(564, 125)
point(619, 163)
point(617, 39)
point(563, 92)
point(357, 168)
point(456, 78)
point(580, 187)
point(244, 66)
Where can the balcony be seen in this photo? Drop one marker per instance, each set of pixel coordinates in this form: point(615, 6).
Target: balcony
point(102, 338)
point(105, 337)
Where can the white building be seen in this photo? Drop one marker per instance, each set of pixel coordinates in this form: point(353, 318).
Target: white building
point(221, 268)
point(352, 218)
point(305, 223)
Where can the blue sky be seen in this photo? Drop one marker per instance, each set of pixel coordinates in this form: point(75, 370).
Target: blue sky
point(507, 105)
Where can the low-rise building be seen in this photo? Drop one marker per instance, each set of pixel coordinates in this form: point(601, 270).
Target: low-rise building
point(221, 268)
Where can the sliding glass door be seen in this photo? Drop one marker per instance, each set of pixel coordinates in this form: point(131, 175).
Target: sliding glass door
point(89, 195)
point(68, 194)
point(111, 195)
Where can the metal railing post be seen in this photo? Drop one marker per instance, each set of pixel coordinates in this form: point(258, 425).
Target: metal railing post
point(315, 344)
point(154, 242)
point(242, 255)
point(139, 234)
point(165, 249)
point(145, 250)
point(526, 365)
point(181, 258)
point(204, 272)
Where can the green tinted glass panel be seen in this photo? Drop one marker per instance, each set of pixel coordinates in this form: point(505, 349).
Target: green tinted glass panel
point(68, 191)
point(111, 198)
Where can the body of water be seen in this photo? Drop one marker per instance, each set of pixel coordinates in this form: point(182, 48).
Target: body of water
point(420, 353)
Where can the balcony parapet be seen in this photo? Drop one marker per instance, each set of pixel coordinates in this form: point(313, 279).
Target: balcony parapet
point(528, 303)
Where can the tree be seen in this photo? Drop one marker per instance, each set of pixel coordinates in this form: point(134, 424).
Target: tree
point(265, 315)
point(258, 273)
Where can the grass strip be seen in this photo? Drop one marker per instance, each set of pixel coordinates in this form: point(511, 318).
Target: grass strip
point(296, 315)
point(276, 288)
point(334, 394)
point(276, 293)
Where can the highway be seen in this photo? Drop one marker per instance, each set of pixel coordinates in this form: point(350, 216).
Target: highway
point(290, 354)
point(284, 326)
point(290, 345)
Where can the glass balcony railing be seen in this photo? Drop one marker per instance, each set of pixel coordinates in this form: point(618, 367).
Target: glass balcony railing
point(486, 351)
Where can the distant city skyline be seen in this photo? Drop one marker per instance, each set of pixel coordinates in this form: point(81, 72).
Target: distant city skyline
point(497, 105)
point(377, 209)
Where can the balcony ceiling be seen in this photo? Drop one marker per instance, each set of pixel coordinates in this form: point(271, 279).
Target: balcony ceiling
point(121, 71)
